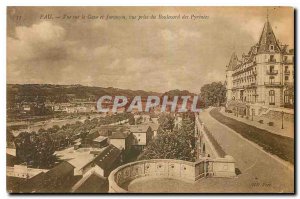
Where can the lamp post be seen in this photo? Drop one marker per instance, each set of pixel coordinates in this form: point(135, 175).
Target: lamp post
point(282, 113)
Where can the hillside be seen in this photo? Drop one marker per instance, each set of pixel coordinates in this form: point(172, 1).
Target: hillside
point(62, 93)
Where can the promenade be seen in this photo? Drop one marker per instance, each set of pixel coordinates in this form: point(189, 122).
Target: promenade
point(257, 171)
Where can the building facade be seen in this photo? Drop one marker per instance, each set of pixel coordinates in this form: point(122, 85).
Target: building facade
point(142, 135)
point(264, 76)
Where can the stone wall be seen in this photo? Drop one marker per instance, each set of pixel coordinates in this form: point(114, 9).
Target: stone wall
point(169, 168)
point(206, 144)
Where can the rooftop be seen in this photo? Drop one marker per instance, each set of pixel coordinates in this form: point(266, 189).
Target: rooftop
point(108, 157)
point(78, 158)
point(139, 128)
point(92, 183)
point(267, 38)
point(266, 44)
point(120, 135)
point(60, 170)
point(100, 139)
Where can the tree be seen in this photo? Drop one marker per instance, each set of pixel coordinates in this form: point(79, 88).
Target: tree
point(213, 94)
point(168, 146)
point(166, 123)
point(171, 143)
point(35, 150)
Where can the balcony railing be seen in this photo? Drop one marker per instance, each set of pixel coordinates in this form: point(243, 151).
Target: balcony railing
point(287, 72)
point(252, 85)
point(272, 60)
point(288, 83)
point(272, 72)
point(288, 61)
point(273, 84)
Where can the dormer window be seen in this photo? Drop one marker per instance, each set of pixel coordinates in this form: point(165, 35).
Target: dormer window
point(271, 48)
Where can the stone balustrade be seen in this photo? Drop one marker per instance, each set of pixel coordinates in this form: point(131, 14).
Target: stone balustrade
point(169, 168)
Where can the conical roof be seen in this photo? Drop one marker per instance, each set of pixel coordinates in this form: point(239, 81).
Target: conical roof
point(233, 62)
point(267, 39)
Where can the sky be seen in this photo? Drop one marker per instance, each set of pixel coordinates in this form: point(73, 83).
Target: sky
point(150, 54)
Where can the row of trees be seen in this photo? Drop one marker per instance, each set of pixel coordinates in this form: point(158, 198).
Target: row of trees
point(173, 141)
point(37, 148)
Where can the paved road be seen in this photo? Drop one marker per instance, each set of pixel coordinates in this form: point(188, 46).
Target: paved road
point(259, 171)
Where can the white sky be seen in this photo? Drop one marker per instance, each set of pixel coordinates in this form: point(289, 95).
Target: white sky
point(156, 55)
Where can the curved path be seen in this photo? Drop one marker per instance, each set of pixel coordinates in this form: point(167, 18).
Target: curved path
point(259, 171)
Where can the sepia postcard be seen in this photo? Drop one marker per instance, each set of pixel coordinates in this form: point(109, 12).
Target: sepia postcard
point(150, 100)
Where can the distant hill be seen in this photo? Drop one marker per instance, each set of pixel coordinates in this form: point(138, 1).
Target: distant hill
point(65, 93)
point(177, 92)
point(62, 93)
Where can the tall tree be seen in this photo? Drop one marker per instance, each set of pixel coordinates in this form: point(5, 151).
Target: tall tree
point(213, 94)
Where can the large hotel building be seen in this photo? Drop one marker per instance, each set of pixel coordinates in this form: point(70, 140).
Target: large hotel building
point(264, 76)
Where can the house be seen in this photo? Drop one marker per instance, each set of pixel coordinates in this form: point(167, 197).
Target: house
point(91, 183)
point(121, 140)
point(142, 135)
point(11, 160)
point(105, 162)
point(33, 185)
point(58, 178)
point(106, 130)
point(21, 170)
point(89, 139)
point(154, 118)
point(100, 142)
point(154, 128)
point(96, 137)
point(145, 118)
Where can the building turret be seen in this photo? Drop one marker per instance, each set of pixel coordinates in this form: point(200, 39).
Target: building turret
point(268, 42)
point(229, 70)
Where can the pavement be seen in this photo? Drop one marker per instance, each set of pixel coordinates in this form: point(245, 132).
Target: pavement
point(260, 171)
point(257, 171)
point(288, 127)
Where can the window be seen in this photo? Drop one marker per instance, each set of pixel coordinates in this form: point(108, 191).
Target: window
point(285, 58)
point(272, 58)
point(271, 97)
point(271, 69)
point(286, 68)
point(286, 97)
point(271, 47)
point(286, 78)
point(271, 79)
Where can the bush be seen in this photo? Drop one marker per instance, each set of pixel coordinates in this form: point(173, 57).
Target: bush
point(271, 123)
point(261, 121)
